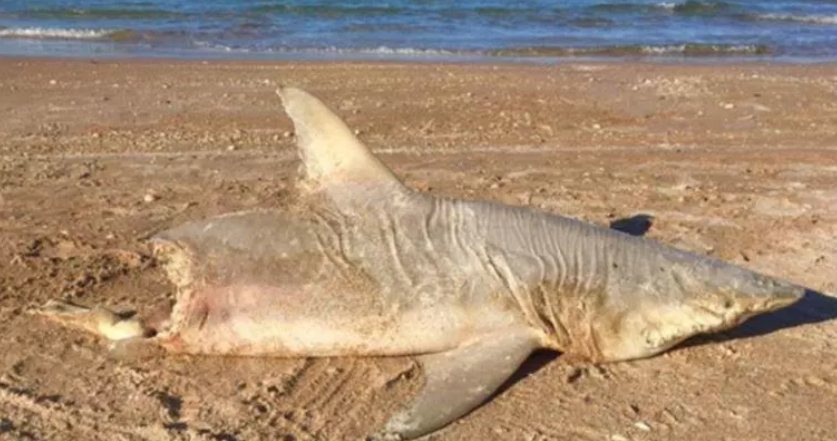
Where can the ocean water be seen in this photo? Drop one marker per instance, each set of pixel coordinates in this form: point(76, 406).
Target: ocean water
point(801, 30)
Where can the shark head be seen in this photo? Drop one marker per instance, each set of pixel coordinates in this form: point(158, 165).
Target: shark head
point(697, 296)
point(736, 294)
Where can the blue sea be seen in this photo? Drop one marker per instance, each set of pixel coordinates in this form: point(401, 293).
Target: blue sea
point(802, 30)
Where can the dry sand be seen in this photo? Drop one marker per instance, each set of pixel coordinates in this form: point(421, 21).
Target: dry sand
point(734, 161)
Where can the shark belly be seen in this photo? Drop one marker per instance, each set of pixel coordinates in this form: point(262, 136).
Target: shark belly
point(300, 320)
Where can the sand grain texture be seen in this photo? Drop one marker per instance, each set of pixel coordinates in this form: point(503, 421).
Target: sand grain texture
point(734, 161)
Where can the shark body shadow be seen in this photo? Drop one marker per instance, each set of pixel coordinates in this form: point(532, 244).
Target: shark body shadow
point(636, 225)
point(814, 307)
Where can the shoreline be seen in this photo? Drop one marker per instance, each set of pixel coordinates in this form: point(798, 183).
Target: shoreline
point(432, 58)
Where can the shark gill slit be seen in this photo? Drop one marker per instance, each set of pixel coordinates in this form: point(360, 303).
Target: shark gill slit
point(428, 221)
point(548, 288)
point(344, 245)
point(530, 301)
point(456, 220)
point(565, 302)
point(578, 256)
point(495, 267)
point(390, 233)
point(341, 263)
point(560, 303)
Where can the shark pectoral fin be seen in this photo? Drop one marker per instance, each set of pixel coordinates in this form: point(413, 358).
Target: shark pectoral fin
point(330, 152)
point(459, 380)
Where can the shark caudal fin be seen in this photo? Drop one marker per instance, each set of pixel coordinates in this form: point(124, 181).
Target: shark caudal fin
point(330, 152)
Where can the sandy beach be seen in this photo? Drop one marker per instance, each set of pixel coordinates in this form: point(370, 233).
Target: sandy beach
point(736, 161)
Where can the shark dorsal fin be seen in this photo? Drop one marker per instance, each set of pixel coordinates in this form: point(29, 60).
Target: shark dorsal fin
point(330, 152)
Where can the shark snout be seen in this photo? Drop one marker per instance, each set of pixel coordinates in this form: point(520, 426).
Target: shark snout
point(776, 294)
point(752, 293)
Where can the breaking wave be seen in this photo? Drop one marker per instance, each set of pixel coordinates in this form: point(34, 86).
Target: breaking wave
point(809, 19)
point(687, 49)
point(384, 50)
point(56, 33)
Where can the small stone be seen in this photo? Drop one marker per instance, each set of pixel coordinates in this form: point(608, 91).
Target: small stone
point(110, 236)
point(357, 132)
point(596, 127)
point(618, 437)
point(286, 134)
point(728, 106)
point(149, 198)
point(642, 426)
point(52, 82)
point(231, 148)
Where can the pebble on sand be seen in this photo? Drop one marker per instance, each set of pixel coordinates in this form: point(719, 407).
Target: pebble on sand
point(642, 426)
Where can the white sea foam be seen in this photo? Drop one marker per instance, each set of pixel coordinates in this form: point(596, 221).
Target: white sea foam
point(405, 51)
point(813, 19)
point(380, 50)
point(707, 49)
point(68, 34)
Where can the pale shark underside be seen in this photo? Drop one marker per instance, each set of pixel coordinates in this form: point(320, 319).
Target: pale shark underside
point(360, 265)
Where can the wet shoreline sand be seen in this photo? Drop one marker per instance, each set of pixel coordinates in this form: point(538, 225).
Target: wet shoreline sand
point(737, 161)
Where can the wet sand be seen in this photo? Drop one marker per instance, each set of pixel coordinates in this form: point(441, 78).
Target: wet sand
point(734, 161)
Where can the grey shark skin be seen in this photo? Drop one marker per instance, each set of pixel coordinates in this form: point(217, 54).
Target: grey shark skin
point(361, 265)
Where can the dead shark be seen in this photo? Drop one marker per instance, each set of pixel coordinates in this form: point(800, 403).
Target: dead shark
point(361, 265)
